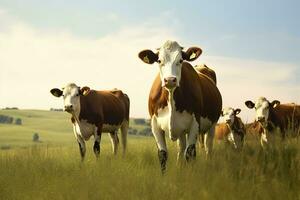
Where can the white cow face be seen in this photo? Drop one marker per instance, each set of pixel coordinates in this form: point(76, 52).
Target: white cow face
point(262, 108)
point(71, 94)
point(229, 114)
point(170, 58)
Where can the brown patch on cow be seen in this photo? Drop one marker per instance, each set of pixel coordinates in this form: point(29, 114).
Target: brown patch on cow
point(222, 130)
point(197, 95)
point(254, 128)
point(207, 71)
point(104, 107)
point(285, 116)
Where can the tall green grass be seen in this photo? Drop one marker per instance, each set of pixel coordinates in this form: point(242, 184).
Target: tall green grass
point(57, 173)
point(52, 169)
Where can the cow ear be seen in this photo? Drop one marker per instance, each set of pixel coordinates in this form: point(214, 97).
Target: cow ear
point(237, 111)
point(56, 92)
point(191, 54)
point(148, 56)
point(275, 103)
point(85, 91)
point(249, 104)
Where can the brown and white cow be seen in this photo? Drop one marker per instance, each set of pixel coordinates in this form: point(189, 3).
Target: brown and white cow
point(182, 103)
point(94, 112)
point(272, 115)
point(233, 130)
point(254, 129)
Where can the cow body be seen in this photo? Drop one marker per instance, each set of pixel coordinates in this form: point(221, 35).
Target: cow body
point(231, 134)
point(181, 104)
point(94, 112)
point(197, 101)
point(273, 115)
point(233, 130)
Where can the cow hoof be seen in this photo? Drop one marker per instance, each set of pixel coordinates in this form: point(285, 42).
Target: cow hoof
point(96, 148)
point(190, 153)
point(163, 157)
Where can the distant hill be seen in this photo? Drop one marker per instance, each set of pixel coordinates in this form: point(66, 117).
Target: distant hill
point(53, 128)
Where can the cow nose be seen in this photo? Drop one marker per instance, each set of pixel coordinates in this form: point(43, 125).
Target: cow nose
point(69, 108)
point(170, 82)
point(261, 119)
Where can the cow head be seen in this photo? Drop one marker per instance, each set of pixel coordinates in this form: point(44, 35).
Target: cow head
point(71, 94)
point(262, 108)
point(235, 137)
point(229, 114)
point(170, 58)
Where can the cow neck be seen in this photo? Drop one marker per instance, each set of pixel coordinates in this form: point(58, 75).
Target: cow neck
point(235, 124)
point(272, 120)
point(172, 109)
point(176, 102)
point(82, 107)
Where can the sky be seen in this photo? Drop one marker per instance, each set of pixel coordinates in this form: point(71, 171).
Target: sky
point(254, 47)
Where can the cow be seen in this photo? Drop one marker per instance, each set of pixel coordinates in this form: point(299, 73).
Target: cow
point(273, 115)
point(207, 71)
point(254, 129)
point(233, 130)
point(94, 112)
point(182, 103)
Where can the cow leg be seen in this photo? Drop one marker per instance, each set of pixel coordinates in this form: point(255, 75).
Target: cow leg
point(114, 141)
point(160, 139)
point(208, 140)
point(124, 131)
point(181, 142)
point(201, 140)
point(190, 153)
point(81, 143)
point(96, 146)
point(82, 148)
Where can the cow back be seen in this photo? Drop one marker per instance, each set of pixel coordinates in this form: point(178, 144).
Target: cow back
point(105, 107)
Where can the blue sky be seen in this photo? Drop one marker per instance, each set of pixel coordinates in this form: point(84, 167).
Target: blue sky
point(265, 32)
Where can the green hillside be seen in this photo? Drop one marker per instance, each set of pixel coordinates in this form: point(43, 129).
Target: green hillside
point(54, 128)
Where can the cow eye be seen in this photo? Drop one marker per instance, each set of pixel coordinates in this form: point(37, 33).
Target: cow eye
point(159, 61)
point(180, 61)
point(77, 95)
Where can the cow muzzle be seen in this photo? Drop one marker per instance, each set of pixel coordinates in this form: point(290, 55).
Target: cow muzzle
point(69, 108)
point(228, 121)
point(170, 82)
point(261, 119)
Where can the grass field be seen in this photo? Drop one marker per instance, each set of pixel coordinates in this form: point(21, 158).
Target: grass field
point(52, 169)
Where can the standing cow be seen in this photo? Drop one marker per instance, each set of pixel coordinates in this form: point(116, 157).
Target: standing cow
point(94, 112)
point(272, 115)
point(233, 130)
point(182, 103)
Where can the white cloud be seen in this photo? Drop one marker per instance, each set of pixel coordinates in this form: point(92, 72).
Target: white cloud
point(34, 61)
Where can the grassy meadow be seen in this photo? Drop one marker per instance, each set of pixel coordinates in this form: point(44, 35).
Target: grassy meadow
point(51, 169)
